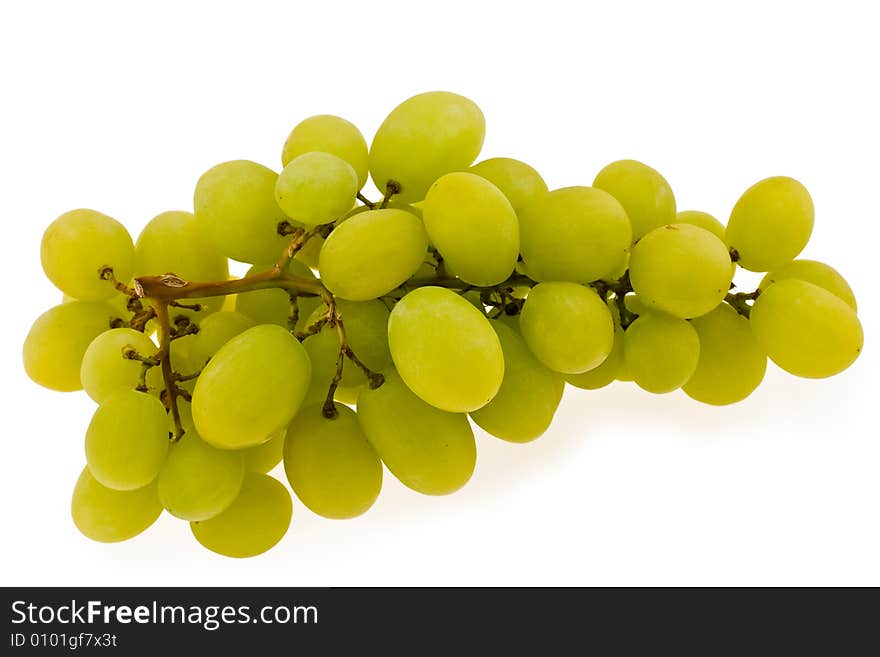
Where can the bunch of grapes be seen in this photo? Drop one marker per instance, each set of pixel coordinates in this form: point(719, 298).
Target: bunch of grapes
point(370, 332)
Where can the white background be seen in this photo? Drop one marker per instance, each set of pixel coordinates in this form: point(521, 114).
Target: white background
point(121, 106)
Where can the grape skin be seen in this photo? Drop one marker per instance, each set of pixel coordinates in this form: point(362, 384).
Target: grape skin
point(817, 273)
point(108, 516)
point(661, 352)
point(105, 371)
point(329, 134)
point(519, 182)
point(643, 193)
point(316, 188)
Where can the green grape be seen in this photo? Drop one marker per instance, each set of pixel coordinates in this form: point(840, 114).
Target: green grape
point(770, 224)
point(636, 305)
point(214, 332)
point(330, 465)
point(519, 182)
point(731, 363)
point(272, 306)
point(529, 394)
point(423, 138)
point(197, 481)
point(253, 523)
point(310, 252)
point(54, 347)
point(329, 134)
point(251, 388)
point(702, 220)
point(372, 253)
point(445, 350)
point(108, 516)
point(661, 352)
point(817, 273)
point(105, 370)
point(473, 226)
point(643, 193)
point(347, 395)
point(607, 371)
point(567, 326)
point(235, 207)
point(127, 440)
point(577, 234)
point(680, 269)
point(265, 456)
point(173, 242)
point(81, 243)
point(805, 329)
point(316, 188)
point(429, 450)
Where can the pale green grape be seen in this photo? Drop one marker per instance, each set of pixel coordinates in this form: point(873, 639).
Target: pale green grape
point(636, 305)
point(106, 515)
point(265, 456)
point(272, 306)
point(731, 363)
point(519, 182)
point(316, 188)
point(529, 394)
point(805, 329)
point(310, 252)
point(577, 234)
point(251, 388)
point(78, 245)
point(423, 138)
point(607, 371)
point(817, 273)
point(643, 193)
point(54, 347)
point(214, 332)
point(567, 326)
point(429, 450)
point(770, 224)
point(680, 269)
point(347, 395)
point(253, 523)
point(105, 370)
point(445, 350)
point(473, 226)
point(661, 352)
point(703, 220)
point(174, 242)
point(235, 207)
point(329, 134)
point(127, 440)
point(330, 465)
point(197, 481)
point(372, 253)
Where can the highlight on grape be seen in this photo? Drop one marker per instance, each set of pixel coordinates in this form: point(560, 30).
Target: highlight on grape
point(371, 332)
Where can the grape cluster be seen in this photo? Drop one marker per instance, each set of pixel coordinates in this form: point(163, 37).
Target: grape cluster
point(373, 332)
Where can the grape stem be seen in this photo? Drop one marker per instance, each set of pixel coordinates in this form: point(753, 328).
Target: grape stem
point(739, 301)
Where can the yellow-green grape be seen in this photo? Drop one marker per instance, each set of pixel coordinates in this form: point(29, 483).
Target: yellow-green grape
point(473, 226)
point(529, 394)
point(445, 350)
point(577, 234)
point(310, 252)
point(423, 138)
point(661, 352)
point(770, 224)
point(805, 329)
point(235, 207)
point(127, 440)
point(372, 253)
point(567, 326)
point(78, 245)
point(519, 182)
point(636, 305)
point(731, 363)
point(680, 269)
point(108, 516)
point(214, 332)
point(607, 371)
point(329, 134)
point(330, 464)
point(429, 450)
point(197, 481)
point(703, 220)
point(251, 388)
point(174, 242)
point(106, 370)
point(347, 395)
point(265, 456)
point(817, 273)
point(272, 306)
point(54, 347)
point(643, 193)
point(253, 523)
point(316, 188)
